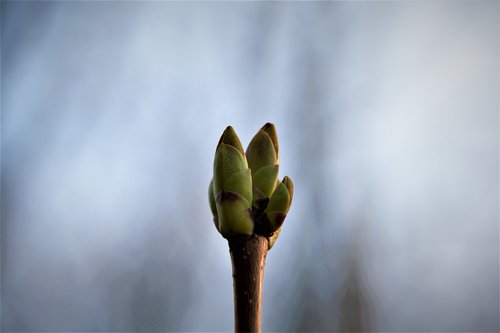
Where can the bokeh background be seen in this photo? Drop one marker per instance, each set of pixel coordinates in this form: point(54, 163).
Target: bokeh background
point(387, 115)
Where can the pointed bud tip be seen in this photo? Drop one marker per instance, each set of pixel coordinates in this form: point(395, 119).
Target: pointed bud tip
point(230, 137)
point(270, 129)
point(228, 133)
point(289, 186)
point(267, 126)
point(263, 148)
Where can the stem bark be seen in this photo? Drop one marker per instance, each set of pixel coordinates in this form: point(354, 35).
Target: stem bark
point(248, 257)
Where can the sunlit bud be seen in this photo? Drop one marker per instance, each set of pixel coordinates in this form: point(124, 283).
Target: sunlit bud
point(263, 158)
point(289, 186)
point(232, 187)
point(274, 236)
point(245, 194)
point(235, 215)
point(278, 205)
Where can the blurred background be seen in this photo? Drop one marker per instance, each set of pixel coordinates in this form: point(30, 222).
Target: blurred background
point(387, 115)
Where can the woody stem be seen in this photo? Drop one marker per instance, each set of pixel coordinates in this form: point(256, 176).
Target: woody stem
point(248, 257)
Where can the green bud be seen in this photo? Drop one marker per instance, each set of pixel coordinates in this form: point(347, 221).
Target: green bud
point(235, 215)
point(263, 157)
point(232, 187)
point(276, 219)
point(228, 161)
point(279, 204)
point(263, 149)
point(245, 194)
point(280, 200)
point(229, 137)
point(271, 131)
point(289, 186)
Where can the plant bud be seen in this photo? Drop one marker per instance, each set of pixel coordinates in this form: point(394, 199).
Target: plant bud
point(263, 149)
point(279, 204)
point(289, 186)
point(245, 194)
point(235, 215)
point(263, 158)
point(232, 187)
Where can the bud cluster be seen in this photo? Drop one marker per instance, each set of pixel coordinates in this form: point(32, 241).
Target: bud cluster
point(245, 194)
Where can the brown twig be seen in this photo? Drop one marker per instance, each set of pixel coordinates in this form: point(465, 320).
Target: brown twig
point(248, 257)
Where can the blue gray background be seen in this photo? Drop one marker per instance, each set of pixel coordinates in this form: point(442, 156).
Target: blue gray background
point(387, 115)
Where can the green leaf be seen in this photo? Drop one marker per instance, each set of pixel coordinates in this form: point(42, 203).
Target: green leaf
point(265, 179)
